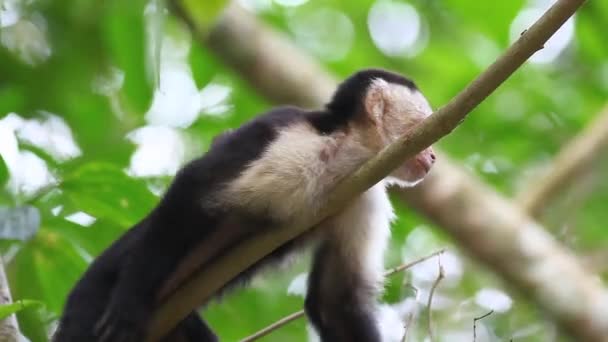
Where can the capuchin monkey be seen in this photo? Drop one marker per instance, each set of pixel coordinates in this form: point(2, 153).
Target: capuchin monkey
point(274, 171)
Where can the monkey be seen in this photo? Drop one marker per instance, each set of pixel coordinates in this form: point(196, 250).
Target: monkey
point(273, 171)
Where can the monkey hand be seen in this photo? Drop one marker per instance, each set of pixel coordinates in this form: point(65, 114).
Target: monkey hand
point(122, 322)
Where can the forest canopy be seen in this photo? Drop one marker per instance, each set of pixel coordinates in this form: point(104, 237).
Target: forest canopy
point(102, 102)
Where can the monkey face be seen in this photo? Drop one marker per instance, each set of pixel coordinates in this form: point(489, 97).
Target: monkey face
point(395, 109)
point(413, 170)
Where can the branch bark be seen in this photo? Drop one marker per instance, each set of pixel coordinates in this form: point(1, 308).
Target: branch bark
point(429, 303)
point(9, 328)
point(570, 165)
point(498, 233)
point(252, 49)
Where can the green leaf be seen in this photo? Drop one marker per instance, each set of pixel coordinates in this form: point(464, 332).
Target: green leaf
point(490, 17)
point(25, 283)
point(92, 240)
point(12, 98)
point(39, 152)
point(204, 13)
point(204, 66)
point(3, 172)
point(106, 191)
point(19, 223)
point(124, 38)
point(46, 269)
point(9, 309)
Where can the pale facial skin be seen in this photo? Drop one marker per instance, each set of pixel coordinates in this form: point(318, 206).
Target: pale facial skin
point(395, 109)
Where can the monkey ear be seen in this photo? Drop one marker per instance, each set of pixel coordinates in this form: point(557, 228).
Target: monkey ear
point(374, 100)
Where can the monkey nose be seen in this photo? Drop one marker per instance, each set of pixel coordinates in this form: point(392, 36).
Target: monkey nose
point(425, 163)
point(432, 156)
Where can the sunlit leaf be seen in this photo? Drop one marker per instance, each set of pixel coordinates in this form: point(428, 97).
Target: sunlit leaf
point(493, 18)
point(203, 65)
point(25, 284)
point(92, 240)
point(9, 309)
point(124, 35)
point(3, 172)
point(105, 191)
point(204, 12)
point(12, 97)
point(53, 266)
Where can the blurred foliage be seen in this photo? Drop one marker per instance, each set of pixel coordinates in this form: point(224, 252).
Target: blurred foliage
point(95, 64)
point(8, 309)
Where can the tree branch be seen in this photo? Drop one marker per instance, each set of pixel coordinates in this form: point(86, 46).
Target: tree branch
point(9, 328)
point(293, 316)
point(479, 319)
point(274, 326)
point(519, 249)
point(429, 303)
point(570, 165)
point(245, 33)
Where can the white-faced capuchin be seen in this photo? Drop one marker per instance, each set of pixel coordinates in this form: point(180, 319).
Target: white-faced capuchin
point(272, 171)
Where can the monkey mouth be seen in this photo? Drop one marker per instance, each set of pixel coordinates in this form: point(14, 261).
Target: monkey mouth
point(425, 164)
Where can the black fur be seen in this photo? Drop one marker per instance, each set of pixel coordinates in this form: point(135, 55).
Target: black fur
point(124, 280)
point(192, 328)
point(338, 302)
point(347, 100)
point(115, 297)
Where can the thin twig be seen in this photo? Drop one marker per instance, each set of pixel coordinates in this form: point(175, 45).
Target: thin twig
point(475, 323)
point(274, 326)
point(408, 324)
point(9, 328)
point(404, 267)
point(409, 285)
point(440, 276)
point(572, 163)
point(292, 317)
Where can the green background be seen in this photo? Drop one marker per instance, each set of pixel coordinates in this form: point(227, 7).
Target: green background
point(506, 141)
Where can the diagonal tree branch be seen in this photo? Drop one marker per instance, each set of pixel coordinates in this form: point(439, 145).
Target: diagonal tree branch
point(498, 233)
point(9, 328)
point(201, 286)
point(570, 165)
